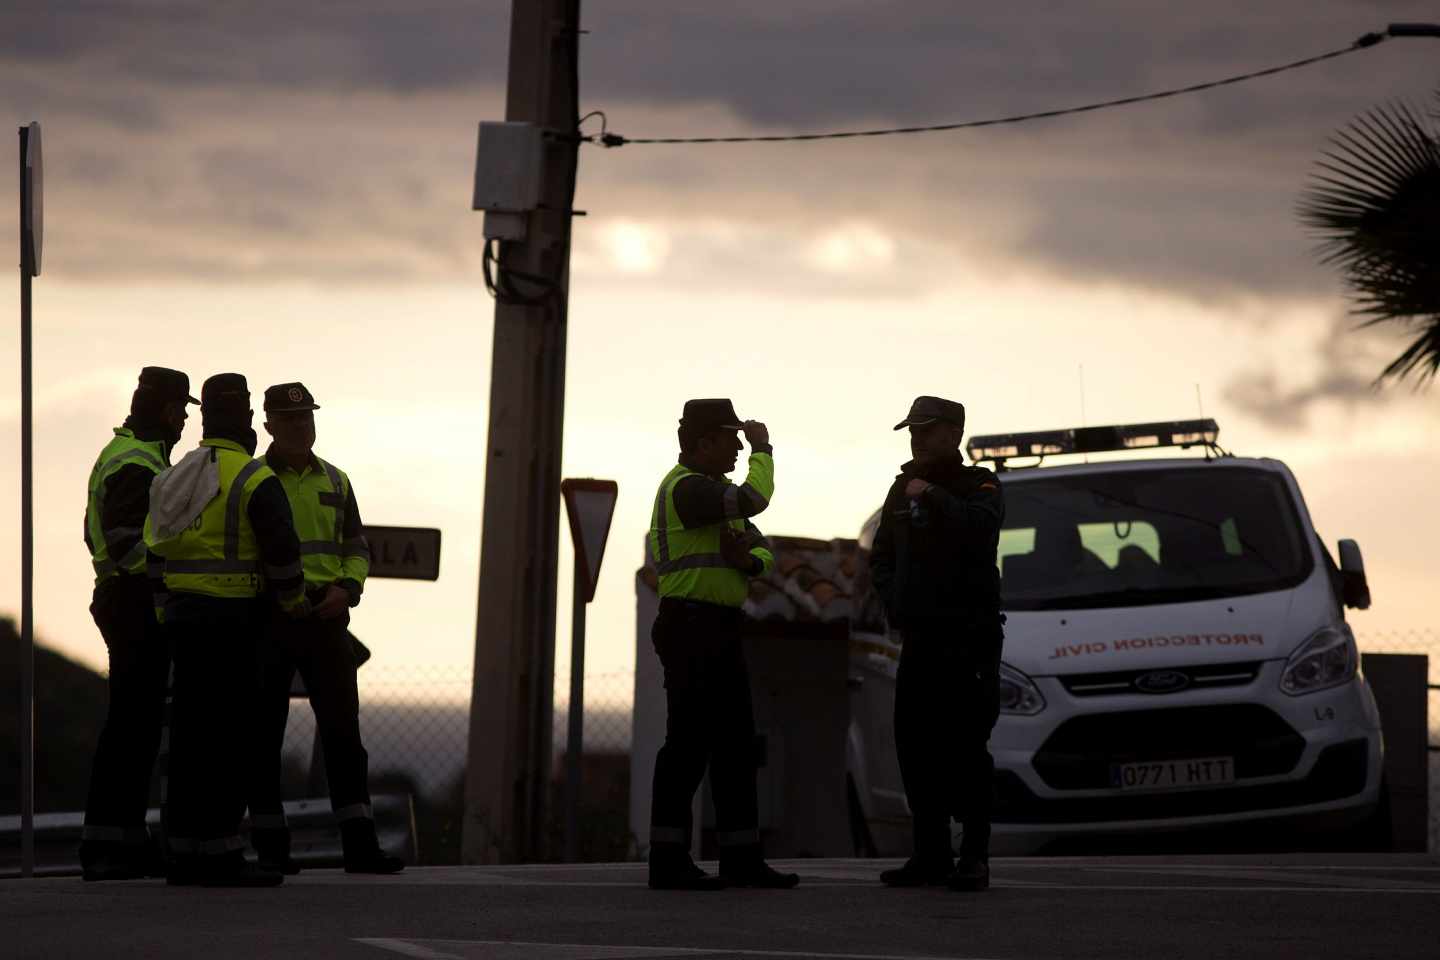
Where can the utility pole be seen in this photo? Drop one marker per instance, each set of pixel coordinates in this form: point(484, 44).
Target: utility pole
point(509, 755)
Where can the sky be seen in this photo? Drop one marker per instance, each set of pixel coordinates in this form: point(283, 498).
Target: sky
point(283, 190)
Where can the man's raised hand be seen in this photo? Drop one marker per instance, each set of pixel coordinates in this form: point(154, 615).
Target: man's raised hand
point(756, 433)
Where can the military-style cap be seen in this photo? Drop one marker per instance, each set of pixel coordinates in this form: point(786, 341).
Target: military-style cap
point(225, 391)
point(929, 409)
point(710, 415)
point(289, 398)
point(166, 385)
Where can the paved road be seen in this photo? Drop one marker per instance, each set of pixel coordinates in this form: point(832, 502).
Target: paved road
point(1306, 906)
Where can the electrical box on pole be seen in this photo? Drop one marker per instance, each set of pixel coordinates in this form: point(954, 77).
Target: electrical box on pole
point(509, 173)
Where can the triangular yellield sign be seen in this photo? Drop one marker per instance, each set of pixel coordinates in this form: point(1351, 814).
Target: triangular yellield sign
point(590, 505)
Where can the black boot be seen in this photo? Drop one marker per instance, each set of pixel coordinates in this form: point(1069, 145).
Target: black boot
point(920, 872)
point(106, 860)
point(362, 849)
point(971, 874)
point(745, 867)
point(672, 869)
point(112, 865)
point(272, 846)
point(223, 870)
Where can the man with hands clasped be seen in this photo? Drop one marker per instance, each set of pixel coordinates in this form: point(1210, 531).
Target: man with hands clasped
point(336, 560)
point(933, 565)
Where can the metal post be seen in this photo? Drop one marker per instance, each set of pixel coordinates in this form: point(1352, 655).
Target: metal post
point(575, 740)
point(510, 752)
point(27, 553)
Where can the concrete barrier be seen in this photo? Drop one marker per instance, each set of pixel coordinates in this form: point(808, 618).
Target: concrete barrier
point(1400, 684)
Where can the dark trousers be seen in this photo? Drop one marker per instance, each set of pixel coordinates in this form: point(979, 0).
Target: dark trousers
point(119, 791)
point(321, 650)
point(946, 703)
point(709, 722)
point(214, 689)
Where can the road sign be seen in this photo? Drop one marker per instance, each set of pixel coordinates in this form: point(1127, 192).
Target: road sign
point(404, 553)
point(590, 504)
point(32, 201)
point(32, 216)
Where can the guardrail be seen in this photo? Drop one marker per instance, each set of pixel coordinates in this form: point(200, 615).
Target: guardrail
point(314, 835)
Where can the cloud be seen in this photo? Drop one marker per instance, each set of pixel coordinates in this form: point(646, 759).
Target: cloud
point(331, 141)
point(1345, 364)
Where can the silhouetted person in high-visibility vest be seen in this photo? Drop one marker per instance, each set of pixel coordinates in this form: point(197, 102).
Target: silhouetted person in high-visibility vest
point(221, 542)
point(705, 551)
point(336, 559)
point(115, 843)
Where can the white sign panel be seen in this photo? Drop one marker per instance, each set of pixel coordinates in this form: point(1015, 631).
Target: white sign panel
point(33, 200)
point(590, 505)
point(404, 553)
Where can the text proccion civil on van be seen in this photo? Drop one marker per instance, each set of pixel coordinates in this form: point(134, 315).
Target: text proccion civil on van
point(1147, 643)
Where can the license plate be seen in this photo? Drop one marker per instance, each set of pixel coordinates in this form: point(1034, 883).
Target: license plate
point(1169, 774)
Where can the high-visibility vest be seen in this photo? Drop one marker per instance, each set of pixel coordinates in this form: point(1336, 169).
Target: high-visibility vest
point(122, 451)
point(688, 562)
point(318, 494)
point(217, 555)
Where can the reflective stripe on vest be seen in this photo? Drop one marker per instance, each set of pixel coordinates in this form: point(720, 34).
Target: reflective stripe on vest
point(689, 562)
point(123, 450)
point(218, 555)
point(319, 494)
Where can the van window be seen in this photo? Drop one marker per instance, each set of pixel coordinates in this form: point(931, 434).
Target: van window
point(1109, 541)
point(1133, 537)
point(1106, 540)
point(1015, 542)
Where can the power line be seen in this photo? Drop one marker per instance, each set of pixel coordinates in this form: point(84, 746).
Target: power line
point(607, 139)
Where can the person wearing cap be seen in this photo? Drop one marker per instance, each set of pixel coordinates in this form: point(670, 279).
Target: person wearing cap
point(336, 559)
point(933, 565)
point(115, 844)
point(705, 550)
point(219, 534)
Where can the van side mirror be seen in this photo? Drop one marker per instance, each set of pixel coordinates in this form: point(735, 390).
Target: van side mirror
point(1352, 576)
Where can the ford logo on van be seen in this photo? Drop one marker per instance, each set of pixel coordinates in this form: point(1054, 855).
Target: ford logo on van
point(1162, 681)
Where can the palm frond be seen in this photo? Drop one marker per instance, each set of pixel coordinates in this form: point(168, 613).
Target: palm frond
point(1374, 204)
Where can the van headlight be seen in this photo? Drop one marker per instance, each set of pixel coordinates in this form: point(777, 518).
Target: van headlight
point(1327, 659)
point(1018, 693)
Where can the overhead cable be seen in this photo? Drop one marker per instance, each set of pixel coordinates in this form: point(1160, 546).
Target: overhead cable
point(605, 138)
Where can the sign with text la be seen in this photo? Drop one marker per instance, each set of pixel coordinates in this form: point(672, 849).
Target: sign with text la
point(404, 553)
point(590, 504)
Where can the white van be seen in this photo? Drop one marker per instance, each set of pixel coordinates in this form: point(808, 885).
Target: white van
point(1176, 654)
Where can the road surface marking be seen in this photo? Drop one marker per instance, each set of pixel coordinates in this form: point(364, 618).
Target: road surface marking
point(583, 951)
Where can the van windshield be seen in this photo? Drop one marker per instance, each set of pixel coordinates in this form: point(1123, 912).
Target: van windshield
point(1140, 537)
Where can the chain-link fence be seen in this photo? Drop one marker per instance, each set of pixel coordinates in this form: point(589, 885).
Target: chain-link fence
point(415, 724)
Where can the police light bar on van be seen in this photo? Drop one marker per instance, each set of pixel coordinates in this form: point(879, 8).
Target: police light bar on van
point(1000, 447)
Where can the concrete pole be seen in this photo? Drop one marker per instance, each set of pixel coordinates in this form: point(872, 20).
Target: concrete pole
point(509, 756)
